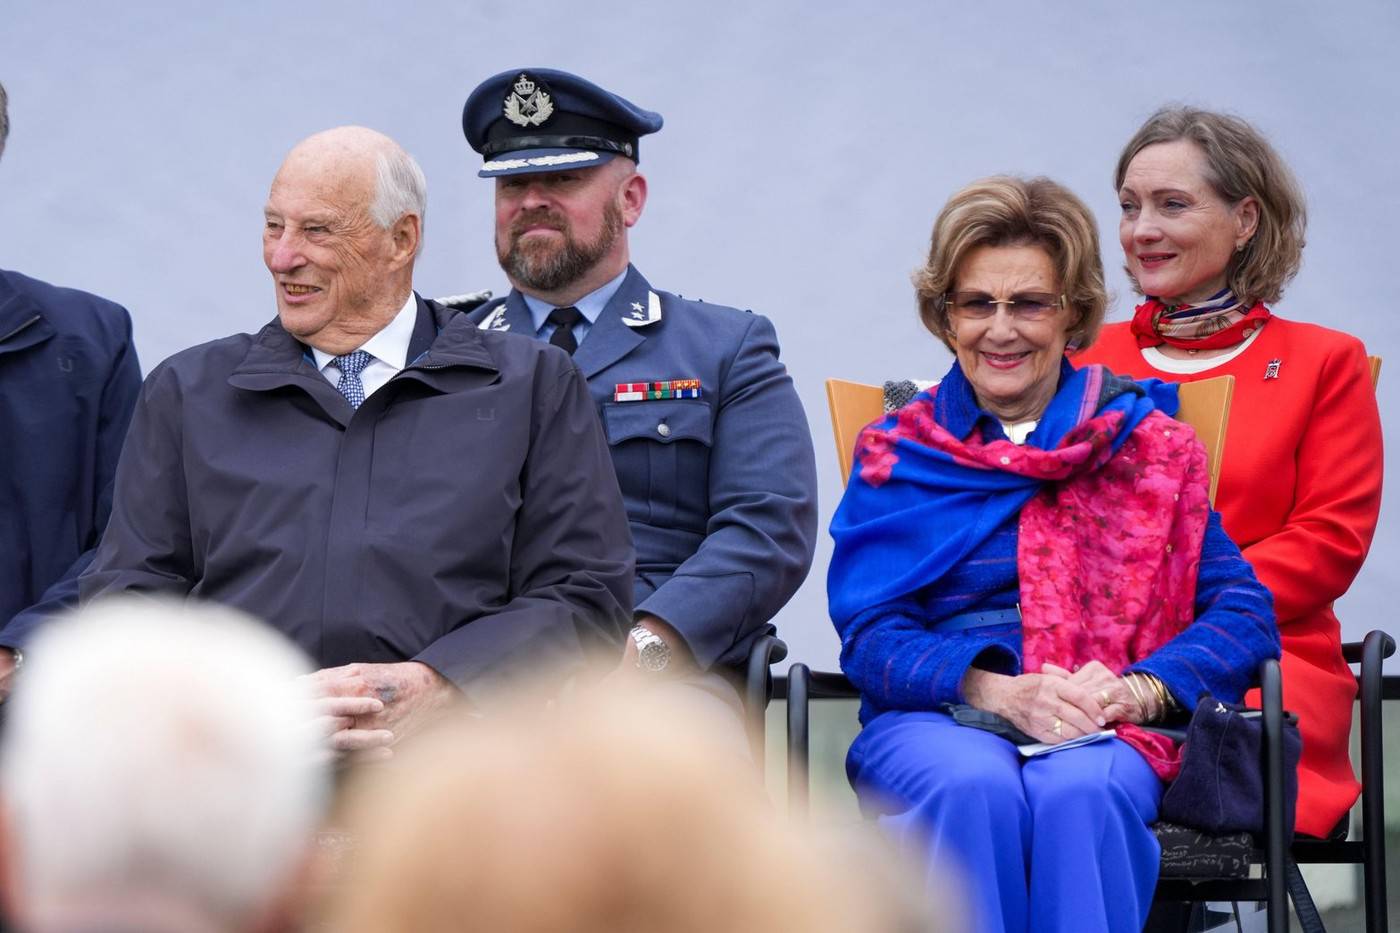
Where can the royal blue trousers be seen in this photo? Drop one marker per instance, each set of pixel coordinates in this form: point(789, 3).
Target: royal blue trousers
point(1061, 842)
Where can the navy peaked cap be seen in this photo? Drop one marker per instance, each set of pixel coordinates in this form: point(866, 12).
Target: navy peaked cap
point(543, 120)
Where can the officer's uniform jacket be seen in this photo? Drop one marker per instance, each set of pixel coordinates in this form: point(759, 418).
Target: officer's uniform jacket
point(465, 516)
point(720, 490)
point(68, 382)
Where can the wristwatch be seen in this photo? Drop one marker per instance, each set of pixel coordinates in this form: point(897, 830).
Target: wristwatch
point(653, 654)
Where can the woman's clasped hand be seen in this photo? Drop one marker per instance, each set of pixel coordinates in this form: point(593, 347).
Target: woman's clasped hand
point(1058, 704)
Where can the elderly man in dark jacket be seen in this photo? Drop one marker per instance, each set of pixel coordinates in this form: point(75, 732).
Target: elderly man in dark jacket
point(68, 381)
point(423, 506)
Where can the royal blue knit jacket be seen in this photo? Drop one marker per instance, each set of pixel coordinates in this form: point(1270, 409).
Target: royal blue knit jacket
point(891, 653)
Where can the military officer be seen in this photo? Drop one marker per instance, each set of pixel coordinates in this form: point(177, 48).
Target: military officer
point(708, 437)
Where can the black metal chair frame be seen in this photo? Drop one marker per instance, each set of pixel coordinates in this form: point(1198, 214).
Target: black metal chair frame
point(1369, 851)
point(758, 691)
point(803, 685)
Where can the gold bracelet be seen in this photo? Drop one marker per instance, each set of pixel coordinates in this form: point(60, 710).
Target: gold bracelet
point(1132, 688)
point(1155, 712)
point(1163, 697)
point(1148, 696)
point(1153, 706)
point(1136, 691)
point(1168, 701)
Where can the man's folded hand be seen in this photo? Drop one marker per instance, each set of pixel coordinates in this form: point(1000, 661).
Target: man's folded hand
point(367, 708)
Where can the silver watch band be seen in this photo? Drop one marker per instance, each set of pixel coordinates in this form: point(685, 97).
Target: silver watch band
point(653, 654)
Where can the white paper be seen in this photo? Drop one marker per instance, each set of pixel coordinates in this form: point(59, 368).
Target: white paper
point(1042, 748)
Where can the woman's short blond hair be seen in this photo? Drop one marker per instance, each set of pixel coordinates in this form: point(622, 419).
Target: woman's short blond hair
point(1008, 211)
point(1240, 163)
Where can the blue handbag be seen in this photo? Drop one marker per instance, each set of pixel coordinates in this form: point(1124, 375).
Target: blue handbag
point(1220, 788)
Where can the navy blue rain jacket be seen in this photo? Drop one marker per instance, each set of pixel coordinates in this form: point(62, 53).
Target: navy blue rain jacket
point(68, 383)
point(465, 516)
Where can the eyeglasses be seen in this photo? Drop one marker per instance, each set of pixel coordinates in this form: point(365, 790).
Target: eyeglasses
point(1025, 306)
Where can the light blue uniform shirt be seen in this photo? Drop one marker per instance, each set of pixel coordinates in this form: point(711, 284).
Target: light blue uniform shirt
point(590, 306)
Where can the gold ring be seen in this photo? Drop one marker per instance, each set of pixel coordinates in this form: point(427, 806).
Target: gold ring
point(1059, 726)
point(1104, 698)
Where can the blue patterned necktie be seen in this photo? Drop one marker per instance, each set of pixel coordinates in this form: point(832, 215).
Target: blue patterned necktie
point(350, 366)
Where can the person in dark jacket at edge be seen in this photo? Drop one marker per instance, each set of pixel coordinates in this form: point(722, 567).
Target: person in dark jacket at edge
point(68, 381)
point(427, 509)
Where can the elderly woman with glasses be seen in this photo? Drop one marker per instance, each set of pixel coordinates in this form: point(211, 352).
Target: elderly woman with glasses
point(1027, 553)
point(1212, 229)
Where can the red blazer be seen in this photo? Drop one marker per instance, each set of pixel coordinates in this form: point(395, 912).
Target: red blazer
point(1300, 490)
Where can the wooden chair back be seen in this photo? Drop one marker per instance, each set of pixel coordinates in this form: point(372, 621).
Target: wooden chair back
point(1205, 405)
point(853, 406)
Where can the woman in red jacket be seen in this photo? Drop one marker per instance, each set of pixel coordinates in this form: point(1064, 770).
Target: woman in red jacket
point(1212, 229)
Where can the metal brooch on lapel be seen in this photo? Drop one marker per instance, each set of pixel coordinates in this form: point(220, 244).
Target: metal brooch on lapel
point(662, 389)
point(637, 317)
point(1271, 371)
point(528, 103)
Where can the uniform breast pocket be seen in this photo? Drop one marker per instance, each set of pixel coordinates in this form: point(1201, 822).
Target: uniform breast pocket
point(661, 451)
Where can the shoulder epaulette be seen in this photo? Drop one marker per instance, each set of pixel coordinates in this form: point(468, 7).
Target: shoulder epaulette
point(465, 302)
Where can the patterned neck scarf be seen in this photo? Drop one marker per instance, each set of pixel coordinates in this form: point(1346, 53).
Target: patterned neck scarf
point(1220, 321)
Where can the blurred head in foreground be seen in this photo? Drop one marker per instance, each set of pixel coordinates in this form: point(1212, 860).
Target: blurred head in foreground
point(606, 814)
point(159, 772)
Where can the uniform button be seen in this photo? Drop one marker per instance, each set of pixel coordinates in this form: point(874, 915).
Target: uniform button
point(1169, 548)
point(663, 429)
point(1005, 461)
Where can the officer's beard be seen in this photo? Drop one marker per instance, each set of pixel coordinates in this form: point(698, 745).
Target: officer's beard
point(546, 266)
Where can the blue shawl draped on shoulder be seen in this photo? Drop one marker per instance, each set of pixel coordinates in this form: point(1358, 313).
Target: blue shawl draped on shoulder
point(894, 538)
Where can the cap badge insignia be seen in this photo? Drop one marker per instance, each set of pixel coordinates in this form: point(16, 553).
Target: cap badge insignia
point(638, 318)
point(528, 104)
point(1271, 371)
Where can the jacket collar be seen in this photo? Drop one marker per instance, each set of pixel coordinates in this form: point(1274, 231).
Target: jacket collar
point(454, 340)
point(955, 405)
point(425, 330)
point(609, 339)
point(443, 340)
point(22, 322)
point(441, 337)
point(590, 305)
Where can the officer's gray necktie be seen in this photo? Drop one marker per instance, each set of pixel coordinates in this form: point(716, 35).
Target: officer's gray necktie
point(350, 366)
point(564, 320)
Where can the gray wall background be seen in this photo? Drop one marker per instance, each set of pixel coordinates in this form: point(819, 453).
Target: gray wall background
point(807, 148)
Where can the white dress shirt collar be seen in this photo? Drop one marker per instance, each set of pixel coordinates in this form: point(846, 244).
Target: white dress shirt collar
point(389, 348)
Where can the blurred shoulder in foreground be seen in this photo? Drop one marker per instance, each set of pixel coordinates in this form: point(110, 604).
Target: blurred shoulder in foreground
point(599, 813)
